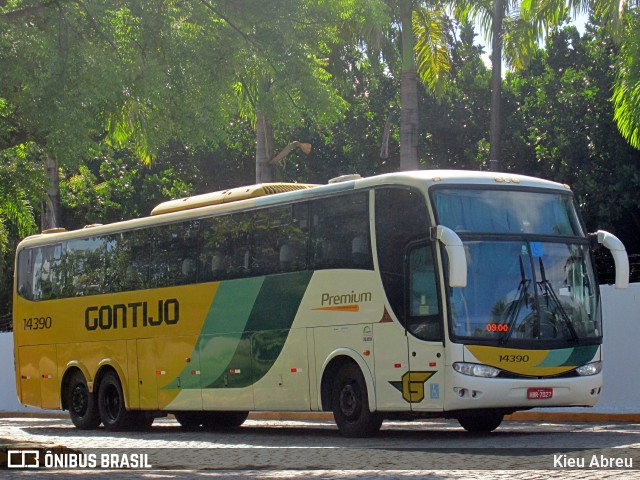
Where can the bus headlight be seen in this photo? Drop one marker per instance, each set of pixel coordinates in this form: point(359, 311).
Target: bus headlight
point(589, 369)
point(476, 370)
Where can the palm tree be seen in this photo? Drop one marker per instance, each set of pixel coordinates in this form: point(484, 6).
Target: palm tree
point(424, 55)
point(622, 18)
point(514, 28)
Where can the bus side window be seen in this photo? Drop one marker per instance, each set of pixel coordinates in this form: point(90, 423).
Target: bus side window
point(401, 218)
point(52, 272)
point(239, 229)
point(85, 259)
point(133, 260)
point(214, 254)
point(26, 273)
point(173, 251)
point(265, 250)
point(340, 233)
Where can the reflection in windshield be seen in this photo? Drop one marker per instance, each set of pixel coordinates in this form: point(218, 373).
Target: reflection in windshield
point(526, 291)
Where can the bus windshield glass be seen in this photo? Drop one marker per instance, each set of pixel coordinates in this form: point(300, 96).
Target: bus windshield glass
point(523, 287)
point(507, 211)
point(520, 291)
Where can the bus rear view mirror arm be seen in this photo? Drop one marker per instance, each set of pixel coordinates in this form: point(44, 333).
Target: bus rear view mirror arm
point(619, 253)
point(456, 253)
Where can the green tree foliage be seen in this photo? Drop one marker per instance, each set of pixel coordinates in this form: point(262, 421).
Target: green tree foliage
point(22, 182)
point(514, 29)
point(560, 126)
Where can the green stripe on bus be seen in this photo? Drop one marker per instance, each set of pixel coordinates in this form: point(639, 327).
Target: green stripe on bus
point(222, 331)
point(266, 331)
point(581, 355)
point(569, 357)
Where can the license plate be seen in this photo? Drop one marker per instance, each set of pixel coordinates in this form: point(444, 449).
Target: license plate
point(539, 393)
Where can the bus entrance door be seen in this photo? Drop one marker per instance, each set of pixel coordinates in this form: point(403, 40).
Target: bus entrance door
point(422, 383)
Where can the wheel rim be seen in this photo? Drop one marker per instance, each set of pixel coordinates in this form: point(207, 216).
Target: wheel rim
point(350, 401)
point(79, 400)
point(112, 402)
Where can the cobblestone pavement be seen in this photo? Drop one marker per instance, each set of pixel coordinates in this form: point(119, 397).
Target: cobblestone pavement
point(269, 449)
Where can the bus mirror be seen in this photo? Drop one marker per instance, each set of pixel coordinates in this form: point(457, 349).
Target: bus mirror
point(620, 258)
point(457, 256)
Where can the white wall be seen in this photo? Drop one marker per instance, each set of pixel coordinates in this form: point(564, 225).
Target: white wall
point(8, 397)
point(621, 348)
point(621, 394)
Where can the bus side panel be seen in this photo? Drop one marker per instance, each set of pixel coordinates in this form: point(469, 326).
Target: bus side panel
point(392, 363)
point(313, 371)
point(178, 373)
point(147, 378)
point(29, 374)
point(349, 340)
point(227, 382)
point(50, 384)
point(286, 385)
point(132, 374)
point(93, 355)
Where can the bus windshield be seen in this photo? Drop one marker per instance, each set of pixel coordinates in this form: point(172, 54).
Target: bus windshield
point(527, 291)
point(523, 286)
point(507, 212)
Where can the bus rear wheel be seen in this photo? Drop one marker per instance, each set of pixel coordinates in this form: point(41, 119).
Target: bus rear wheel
point(350, 403)
point(111, 405)
point(82, 403)
point(480, 422)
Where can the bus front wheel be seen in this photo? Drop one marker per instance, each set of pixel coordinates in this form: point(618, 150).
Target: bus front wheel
point(82, 403)
point(480, 422)
point(111, 404)
point(350, 403)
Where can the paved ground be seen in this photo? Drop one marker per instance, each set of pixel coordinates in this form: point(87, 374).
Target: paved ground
point(270, 449)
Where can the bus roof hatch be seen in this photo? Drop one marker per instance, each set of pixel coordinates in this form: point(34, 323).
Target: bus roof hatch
point(228, 196)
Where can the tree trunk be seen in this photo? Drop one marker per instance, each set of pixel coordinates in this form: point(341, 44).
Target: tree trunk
point(408, 92)
point(264, 149)
point(495, 133)
point(51, 210)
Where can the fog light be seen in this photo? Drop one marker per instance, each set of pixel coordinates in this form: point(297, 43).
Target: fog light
point(589, 369)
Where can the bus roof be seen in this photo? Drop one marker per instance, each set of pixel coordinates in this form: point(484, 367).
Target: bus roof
point(263, 195)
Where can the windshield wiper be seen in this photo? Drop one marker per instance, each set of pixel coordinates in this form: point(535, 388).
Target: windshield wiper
point(514, 309)
point(550, 293)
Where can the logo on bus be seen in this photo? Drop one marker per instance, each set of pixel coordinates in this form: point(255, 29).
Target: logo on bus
point(132, 315)
point(412, 386)
point(346, 302)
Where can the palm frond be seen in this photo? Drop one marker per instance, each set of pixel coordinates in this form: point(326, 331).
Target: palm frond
point(626, 91)
point(432, 52)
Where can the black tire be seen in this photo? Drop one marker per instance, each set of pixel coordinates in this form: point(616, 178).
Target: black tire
point(111, 405)
point(189, 420)
point(350, 403)
point(480, 422)
point(82, 404)
point(223, 420)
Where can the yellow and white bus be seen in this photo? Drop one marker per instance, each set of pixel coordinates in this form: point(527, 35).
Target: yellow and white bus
point(424, 294)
